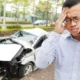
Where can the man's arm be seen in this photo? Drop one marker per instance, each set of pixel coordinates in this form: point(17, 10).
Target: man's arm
point(47, 51)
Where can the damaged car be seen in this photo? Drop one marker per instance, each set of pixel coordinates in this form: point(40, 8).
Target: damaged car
point(17, 53)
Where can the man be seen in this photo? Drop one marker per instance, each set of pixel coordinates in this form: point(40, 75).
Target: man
point(64, 50)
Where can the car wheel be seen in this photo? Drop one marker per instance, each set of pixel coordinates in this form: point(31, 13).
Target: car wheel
point(25, 70)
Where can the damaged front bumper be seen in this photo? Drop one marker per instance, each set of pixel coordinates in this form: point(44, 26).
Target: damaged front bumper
point(9, 69)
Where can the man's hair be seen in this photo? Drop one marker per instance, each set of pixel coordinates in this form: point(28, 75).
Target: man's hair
point(70, 3)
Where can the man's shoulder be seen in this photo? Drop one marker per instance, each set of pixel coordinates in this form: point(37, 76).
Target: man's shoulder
point(64, 37)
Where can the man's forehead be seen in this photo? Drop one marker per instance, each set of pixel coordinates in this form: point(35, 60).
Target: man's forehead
point(74, 11)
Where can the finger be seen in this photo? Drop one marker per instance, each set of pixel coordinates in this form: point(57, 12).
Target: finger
point(65, 9)
point(63, 14)
point(62, 17)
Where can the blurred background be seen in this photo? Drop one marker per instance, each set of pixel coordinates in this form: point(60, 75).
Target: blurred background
point(29, 12)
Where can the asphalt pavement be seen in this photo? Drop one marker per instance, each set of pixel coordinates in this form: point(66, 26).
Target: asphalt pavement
point(39, 74)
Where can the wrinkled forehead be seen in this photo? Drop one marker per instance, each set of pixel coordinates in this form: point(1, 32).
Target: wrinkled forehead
point(74, 11)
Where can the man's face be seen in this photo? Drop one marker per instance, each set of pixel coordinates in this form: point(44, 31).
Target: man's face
point(73, 20)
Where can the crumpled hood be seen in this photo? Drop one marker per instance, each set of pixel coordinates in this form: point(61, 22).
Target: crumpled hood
point(23, 43)
point(8, 51)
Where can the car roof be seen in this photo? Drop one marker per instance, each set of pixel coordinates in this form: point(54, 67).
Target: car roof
point(37, 31)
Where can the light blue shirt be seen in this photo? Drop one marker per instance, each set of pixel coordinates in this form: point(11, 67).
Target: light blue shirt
point(65, 51)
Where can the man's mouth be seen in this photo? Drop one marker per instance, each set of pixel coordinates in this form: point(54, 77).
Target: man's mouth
point(74, 29)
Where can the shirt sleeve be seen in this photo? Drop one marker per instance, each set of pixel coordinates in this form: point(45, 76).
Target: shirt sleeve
point(46, 54)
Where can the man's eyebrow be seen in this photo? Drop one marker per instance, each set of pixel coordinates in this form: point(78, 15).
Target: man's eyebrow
point(75, 17)
point(67, 18)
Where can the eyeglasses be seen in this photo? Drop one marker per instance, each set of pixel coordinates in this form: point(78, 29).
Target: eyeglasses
point(74, 19)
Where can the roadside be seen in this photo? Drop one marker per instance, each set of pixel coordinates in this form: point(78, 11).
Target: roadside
point(42, 74)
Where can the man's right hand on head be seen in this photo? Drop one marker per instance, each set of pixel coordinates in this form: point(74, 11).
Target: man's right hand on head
point(60, 25)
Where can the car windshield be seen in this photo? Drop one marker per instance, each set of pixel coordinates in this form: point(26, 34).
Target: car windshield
point(25, 36)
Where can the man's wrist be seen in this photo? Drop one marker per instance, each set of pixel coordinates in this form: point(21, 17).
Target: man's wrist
point(57, 31)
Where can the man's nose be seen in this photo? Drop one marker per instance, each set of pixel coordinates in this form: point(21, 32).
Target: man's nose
point(73, 23)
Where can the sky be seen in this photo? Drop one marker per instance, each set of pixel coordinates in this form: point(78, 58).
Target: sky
point(59, 10)
point(8, 6)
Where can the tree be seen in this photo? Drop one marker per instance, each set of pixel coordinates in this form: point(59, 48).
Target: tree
point(32, 3)
point(4, 13)
point(24, 5)
point(44, 7)
point(16, 7)
point(1, 7)
point(20, 4)
point(58, 4)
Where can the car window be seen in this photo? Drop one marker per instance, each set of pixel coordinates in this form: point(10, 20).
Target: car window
point(25, 36)
point(40, 41)
point(20, 34)
point(16, 34)
point(25, 33)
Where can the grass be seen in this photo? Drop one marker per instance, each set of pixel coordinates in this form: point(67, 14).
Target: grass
point(20, 22)
point(12, 28)
point(9, 31)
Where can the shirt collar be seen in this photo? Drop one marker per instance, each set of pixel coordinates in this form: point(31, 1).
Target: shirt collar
point(66, 34)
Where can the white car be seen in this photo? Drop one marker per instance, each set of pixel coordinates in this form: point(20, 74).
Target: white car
point(17, 53)
point(40, 22)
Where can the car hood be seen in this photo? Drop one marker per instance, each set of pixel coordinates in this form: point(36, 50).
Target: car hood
point(8, 51)
point(23, 43)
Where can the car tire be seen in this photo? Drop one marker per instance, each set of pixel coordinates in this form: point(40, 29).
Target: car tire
point(25, 70)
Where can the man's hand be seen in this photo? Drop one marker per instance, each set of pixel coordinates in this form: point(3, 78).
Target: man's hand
point(60, 26)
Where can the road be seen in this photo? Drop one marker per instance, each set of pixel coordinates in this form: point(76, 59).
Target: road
point(40, 74)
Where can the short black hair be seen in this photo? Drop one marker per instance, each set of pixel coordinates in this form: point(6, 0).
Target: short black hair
point(70, 3)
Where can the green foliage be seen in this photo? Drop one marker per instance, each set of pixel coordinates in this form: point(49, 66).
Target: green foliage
point(8, 13)
point(42, 27)
point(7, 32)
point(0, 27)
point(2, 10)
point(43, 8)
point(20, 22)
point(47, 28)
point(25, 22)
point(14, 27)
